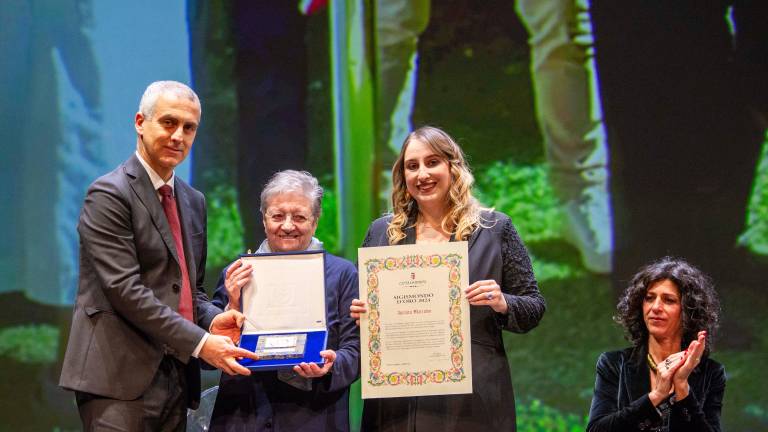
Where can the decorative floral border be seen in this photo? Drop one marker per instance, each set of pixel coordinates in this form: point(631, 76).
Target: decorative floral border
point(456, 373)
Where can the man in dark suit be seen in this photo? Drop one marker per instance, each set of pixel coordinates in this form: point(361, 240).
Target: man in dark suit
point(141, 314)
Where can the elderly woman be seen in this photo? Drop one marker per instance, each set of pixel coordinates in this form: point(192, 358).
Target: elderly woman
point(432, 202)
point(666, 380)
point(310, 397)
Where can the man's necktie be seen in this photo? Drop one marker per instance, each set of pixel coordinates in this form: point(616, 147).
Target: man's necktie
point(169, 206)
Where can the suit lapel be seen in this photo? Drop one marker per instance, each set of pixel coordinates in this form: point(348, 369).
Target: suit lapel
point(142, 187)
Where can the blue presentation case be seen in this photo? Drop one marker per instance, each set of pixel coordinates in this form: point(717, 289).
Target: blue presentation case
point(286, 296)
point(316, 341)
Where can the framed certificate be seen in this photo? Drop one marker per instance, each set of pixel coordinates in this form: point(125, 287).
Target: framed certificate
point(284, 306)
point(415, 340)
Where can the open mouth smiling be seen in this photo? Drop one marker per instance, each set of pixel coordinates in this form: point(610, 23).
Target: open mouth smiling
point(426, 187)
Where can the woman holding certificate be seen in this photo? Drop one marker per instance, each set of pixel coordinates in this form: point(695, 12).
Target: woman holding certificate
point(666, 381)
point(310, 397)
point(432, 202)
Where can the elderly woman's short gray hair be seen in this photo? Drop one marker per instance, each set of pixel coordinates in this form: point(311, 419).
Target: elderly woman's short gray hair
point(293, 181)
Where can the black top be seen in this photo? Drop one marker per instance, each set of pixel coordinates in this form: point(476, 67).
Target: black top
point(495, 252)
point(621, 402)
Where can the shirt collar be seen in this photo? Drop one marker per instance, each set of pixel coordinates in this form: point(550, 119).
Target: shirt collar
point(154, 177)
point(314, 244)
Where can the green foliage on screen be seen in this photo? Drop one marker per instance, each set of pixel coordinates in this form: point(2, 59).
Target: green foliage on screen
point(545, 269)
point(757, 412)
point(746, 404)
point(35, 343)
point(326, 226)
point(225, 230)
point(535, 416)
point(523, 192)
point(755, 237)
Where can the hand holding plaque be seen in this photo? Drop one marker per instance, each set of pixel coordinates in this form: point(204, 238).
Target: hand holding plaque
point(237, 276)
point(283, 301)
point(312, 370)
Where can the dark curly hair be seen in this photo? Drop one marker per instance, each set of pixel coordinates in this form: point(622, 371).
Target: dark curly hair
point(700, 305)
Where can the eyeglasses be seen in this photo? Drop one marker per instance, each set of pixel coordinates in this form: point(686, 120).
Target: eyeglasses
point(297, 219)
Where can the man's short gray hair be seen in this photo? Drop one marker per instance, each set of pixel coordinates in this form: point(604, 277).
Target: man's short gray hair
point(158, 88)
point(293, 181)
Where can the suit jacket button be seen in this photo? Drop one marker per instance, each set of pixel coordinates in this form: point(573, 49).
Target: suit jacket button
point(176, 288)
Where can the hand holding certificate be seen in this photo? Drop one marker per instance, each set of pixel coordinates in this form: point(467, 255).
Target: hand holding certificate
point(415, 337)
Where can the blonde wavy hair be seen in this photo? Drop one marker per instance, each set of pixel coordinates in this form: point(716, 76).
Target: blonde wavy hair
point(464, 211)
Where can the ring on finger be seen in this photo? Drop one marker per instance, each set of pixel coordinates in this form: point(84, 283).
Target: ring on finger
point(489, 295)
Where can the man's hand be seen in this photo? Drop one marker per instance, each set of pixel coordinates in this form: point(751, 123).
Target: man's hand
point(228, 324)
point(220, 352)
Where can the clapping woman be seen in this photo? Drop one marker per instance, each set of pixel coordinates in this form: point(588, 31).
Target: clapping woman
point(666, 380)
